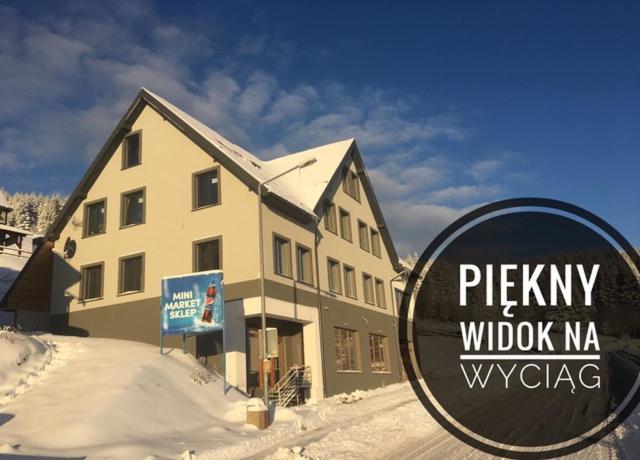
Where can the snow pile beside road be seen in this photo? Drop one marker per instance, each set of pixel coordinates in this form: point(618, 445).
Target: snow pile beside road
point(22, 360)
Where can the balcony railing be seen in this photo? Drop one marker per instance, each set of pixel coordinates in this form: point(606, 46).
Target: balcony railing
point(13, 251)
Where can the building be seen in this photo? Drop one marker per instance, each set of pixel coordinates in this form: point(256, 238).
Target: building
point(16, 247)
point(167, 195)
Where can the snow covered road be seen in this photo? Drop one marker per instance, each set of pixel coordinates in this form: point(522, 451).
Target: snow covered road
point(102, 398)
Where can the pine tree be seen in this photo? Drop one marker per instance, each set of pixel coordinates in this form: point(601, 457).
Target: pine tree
point(34, 212)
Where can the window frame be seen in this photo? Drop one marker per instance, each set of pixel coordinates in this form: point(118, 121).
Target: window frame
point(354, 353)
point(341, 212)
point(85, 220)
point(331, 260)
point(310, 253)
point(194, 251)
point(277, 236)
point(123, 209)
point(330, 209)
point(194, 188)
point(371, 301)
point(376, 351)
point(83, 281)
point(398, 300)
point(378, 282)
point(345, 268)
point(121, 261)
point(125, 153)
point(363, 225)
point(378, 252)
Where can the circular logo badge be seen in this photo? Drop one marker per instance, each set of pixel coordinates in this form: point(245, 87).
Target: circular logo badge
point(520, 328)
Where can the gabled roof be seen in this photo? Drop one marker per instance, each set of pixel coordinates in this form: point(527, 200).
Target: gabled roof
point(310, 183)
point(258, 169)
point(302, 190)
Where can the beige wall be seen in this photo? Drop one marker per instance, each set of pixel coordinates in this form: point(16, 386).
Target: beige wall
point(169, 159)
point(334, 246)
point(350, 253)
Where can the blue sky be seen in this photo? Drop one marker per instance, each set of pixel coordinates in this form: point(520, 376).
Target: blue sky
point(453, 105)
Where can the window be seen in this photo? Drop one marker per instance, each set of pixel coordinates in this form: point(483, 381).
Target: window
point(330, 222)
point(380, 297)
point(375, 243)
point(363, 235)
point(345, 224)
point(334, 276)
point(206, 255)
point(351, 185)
point(350, 282)
point(206, 189)
point(91, 282)
point(367, 284)
point(131, 274)
point(95, 218)
point(304, 264)
point(346, 350)
point(4, 216)
point(399, 294)
point(378, 351)
point(131, 150)
point(132, 208)
point(282, 255)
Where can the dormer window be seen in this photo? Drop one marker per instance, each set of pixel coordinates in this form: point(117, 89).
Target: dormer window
point(4, 216)
point(351, 184)
point(131, 150)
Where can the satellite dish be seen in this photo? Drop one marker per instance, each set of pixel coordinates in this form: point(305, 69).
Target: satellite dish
point(69, 248)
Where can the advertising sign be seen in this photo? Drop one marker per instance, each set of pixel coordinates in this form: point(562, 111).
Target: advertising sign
point(193, 303)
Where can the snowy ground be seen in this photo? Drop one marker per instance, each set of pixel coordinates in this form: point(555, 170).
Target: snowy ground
point(10, 267)
point(101, 398)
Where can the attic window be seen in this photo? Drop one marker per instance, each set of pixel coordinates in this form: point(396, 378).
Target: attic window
point(131, 150)
point(375, 243)
point(351, 185)
point(206, 188)
point(132, 208)
point(95, 218)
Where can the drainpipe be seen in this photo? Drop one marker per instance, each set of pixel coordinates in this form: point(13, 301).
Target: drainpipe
point(395, 317)
point(263, 311)
point(322, 363)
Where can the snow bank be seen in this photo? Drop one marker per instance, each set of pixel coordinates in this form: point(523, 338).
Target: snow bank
point(118, 399)
point(22, 360)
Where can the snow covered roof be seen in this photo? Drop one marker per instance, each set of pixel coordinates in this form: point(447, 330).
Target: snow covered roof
point(11, 229)
point(4, 201)
point(308, 184)
point(303, 188)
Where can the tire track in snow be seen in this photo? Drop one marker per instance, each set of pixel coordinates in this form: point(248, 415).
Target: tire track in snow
point(328, 419)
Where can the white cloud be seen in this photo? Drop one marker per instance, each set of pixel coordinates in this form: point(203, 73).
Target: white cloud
point(482, 170)
point(414, 225)
point(66, 81)
point(464, 193)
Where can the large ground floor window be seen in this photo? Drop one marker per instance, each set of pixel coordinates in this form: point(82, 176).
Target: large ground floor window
point(347, 358)
point(378, 351)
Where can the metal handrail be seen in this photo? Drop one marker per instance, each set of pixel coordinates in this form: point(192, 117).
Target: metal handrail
point(288, 387)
